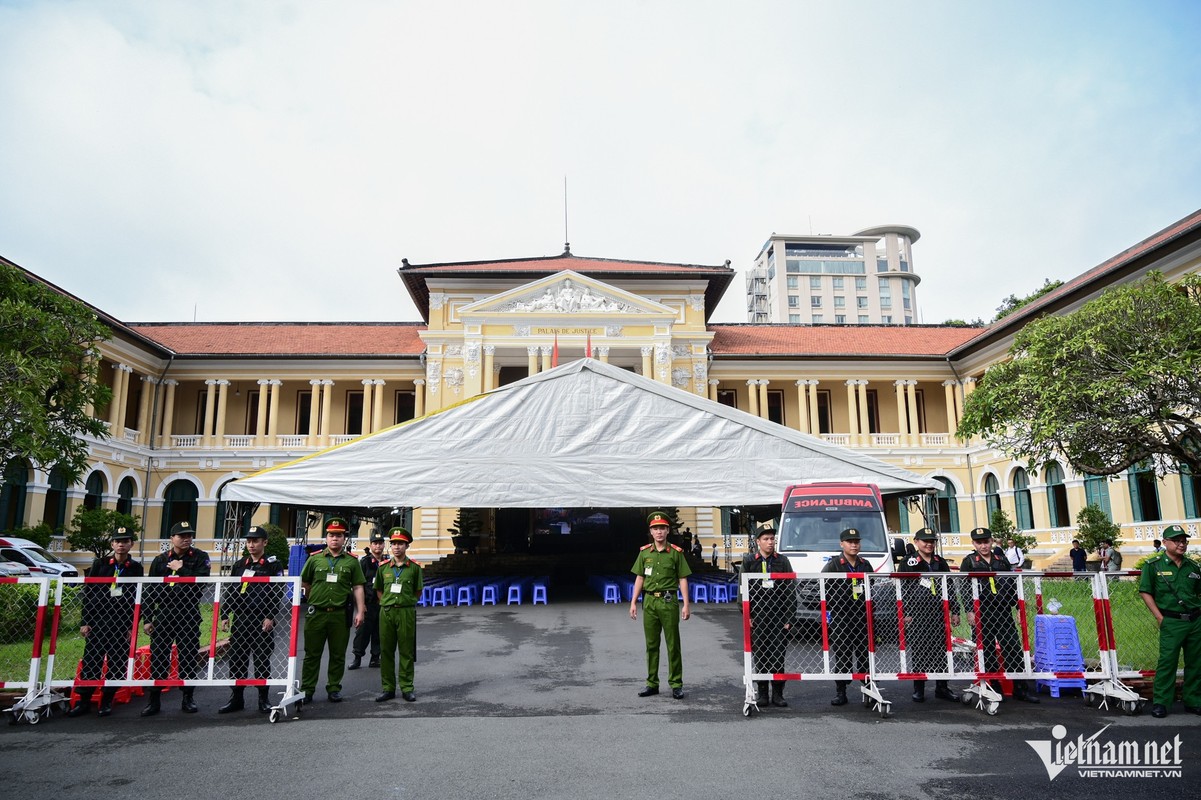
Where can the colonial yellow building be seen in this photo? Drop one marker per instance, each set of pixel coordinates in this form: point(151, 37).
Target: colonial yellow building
point(196, 405)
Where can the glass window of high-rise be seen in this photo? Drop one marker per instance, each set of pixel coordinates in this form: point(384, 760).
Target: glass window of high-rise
point(794, 301)
point(840, 319)
point(794, 317)
point(819, 318)
point(860, 302)
point(861, 284)
point(815, 302)
point(794, 282)
point(840, 301)
point(815, 282)
point(838, 282)
point(863, 319)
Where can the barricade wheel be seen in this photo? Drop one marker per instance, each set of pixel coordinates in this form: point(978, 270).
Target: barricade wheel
point(992, 708)
point(33, 717)
point(747, 709)
point(966, 698)
point(1132, 707)
point(274, 716)
point(885, 710)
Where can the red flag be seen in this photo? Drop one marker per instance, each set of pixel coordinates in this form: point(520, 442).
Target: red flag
point(588, 350)
point(554, 354)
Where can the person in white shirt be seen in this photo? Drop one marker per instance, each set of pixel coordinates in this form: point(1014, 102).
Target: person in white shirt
point(1014, 554)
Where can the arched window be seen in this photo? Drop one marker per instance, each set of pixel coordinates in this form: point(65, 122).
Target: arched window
point(1190, 489)
point(1144, 493)
point(93, 490)
point(945, 505)
point(1021, 499)
point(1057, 497)
point(125, 491)
point(179, 505)
point(56, 501)
point(1096, 493)
point(12, 495)
point(992, 494)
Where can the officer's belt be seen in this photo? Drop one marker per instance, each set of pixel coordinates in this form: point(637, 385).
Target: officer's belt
point(668, 593)
point(329, 609)
point(1187, 616)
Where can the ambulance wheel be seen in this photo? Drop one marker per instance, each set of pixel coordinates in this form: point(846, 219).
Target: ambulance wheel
point(991, 710)
point(275, 715)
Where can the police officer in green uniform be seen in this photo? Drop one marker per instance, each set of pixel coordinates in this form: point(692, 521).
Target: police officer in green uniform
point(171, 614)
point(1171, 588)
point(254, 607)
point(847, 603)
point(329, 579)
point(397, 587)
point(998, 598)
point(661, 569)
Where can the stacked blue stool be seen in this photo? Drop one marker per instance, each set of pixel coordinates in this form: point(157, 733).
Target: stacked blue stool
point(1057, 649)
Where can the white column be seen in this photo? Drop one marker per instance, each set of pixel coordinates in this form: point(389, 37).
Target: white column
point(915, 428)
point(314, 407)
point(805, 426)
point(814, 423)
point(273, 417)
point(168, 412)
point(902, 423)
point(546, 348)
point(377, 421)
point(852, 412)
point(114, 407)
point(260, 419)
point(365, 419)
point(763, 410)
point(864, 428)
point(713, 384)
point(210, 405)
point(419, 397)
point(489, 362)
point(753, 396)
point(327, 410)
point(532, 352)
point(148, 384)
point(222, 403)
point(648, 366)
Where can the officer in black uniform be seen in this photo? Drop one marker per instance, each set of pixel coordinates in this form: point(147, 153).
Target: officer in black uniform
point(998, 598)
point(254, 607)
point(772, 610)
point(107, 622)
point(925, 623)
point(171, 615)
point(846, 601)
point(368, 632)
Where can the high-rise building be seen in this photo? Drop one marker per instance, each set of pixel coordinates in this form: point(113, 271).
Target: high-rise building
point(860, 279)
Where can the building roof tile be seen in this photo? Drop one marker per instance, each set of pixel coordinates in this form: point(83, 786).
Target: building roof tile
point(286, 339)
point(774, 340)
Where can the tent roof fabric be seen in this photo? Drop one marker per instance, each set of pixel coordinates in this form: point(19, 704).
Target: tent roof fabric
point(586, 434)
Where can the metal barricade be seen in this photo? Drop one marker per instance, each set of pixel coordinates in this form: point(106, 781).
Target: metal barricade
point(163, 633)
point(987, 628)
point(1133, 635)
point(23, 627)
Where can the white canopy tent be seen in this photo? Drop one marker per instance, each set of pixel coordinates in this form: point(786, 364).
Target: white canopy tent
point(586, 434)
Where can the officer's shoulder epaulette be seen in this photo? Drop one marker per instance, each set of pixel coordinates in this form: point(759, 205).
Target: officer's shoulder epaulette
point(646, 546)
point(416, 564)
point(677, 548)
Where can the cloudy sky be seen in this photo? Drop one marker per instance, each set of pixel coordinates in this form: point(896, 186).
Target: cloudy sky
point(260, 160)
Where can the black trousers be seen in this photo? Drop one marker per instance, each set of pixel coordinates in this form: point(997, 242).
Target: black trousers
point(181, 628)
point(108, 640)
point(368, 631)
point(249, 639)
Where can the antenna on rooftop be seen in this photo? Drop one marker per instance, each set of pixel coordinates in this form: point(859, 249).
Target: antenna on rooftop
point(566, 238)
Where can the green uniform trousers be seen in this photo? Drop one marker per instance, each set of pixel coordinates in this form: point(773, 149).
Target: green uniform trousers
point(321, 627)
point(1175, 636)
point(662, 615)
point(397, 631)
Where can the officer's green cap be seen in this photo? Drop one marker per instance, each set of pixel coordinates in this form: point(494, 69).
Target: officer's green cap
point(658, 518)
point(980, 534)
point(399, 534)
point(849, 535)
point(256, 532)
point(336, 525)
point(182, 529)
point(1175, 532)
point(926, 535)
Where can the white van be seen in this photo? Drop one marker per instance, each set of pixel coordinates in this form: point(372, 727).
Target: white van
point(811, 519)
point(33, 556)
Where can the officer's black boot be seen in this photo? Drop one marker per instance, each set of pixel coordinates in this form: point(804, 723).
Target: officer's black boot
point(358, 661)
point(919, 691)
point(152, 705)
point(761, 693)
point(106, 702)
point(1021, 691)
point(777, 694)
point(235, 703)
point(186, 705)
point(264, 704)
point(840, 697)
point(944, 692)
point(84, 706)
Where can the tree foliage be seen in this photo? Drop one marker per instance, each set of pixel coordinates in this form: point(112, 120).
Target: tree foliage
point(47, 381)
point(91, 529)
point(1003, 530)
point(1013, 302)
point(1094, 527)
point(1111, 385)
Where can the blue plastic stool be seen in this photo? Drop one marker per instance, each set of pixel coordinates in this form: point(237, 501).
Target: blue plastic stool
point(611, 594)
point(489, 596)
point(514, 594)
point(539, 593)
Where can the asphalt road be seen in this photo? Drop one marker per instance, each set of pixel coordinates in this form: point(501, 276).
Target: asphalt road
point(540, 701)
